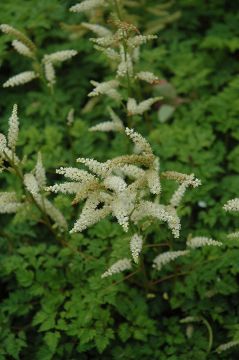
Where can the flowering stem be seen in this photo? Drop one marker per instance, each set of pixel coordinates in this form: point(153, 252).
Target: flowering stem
point(118, 12)
point(210, 334)
point(30, 198)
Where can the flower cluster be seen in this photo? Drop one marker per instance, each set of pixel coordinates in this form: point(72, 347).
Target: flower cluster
point(121, 46)
point(201, 241)
point(167, 257)
point(34, 182)
point(120, 187)
point(24, 46)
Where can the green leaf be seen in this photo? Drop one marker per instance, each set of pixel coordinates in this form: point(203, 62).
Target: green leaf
point(165, 112)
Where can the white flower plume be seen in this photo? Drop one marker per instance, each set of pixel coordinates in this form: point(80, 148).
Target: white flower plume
point(87, 5)
point(232, 205)
point(22, 49)
point(136, 244)
point(138, 109)
point(118, 267)
point(115, 125)
point(20, 79)
point(106, 88)
point(59, 56)
point(9, 202)
point(201, 241)
point(97, 29)
point(167, 257)
point(13, 129)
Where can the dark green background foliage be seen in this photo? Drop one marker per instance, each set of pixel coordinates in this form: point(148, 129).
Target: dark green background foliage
point(54, 304)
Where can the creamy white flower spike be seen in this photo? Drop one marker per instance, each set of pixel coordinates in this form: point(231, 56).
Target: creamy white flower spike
point(115, 183)
point(49, 73)
point(59, 56)
point(3, 143)
point(232, 205)
point(13, 129)
point(31, 184)
point(90, 215)
point(139, 40)
point(40, 172)
point(147, 76)
point(132, 171)
point(98, 168)
point(118, 267)
point(233, 235)
point(9, 202)
point(22, 49)
point(87, 5)
point(114, 125)
point(20, 79)
point(125, 67)
point(201, 241)
point(167, 257)
point(136, 244)
point(108, 52)
point(105, 41)
point(53, 213)
point(76, 174)
point(97, 29)
point(139, 141)
point(158, 211)
point(70, 117)
point(178, 194)
point(227, 346)
point(106, 88)
point(65, 188)
point(138, 109)
point(7, 29)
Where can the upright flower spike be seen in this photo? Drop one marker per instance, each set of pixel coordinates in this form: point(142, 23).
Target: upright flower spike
point(136, 244)
point(13, 129)
point(167, 257)
point(87, 5)
point(40, 172)
point(20, 79)
point(70, 117)
point(125, 67)
point(49, 73)
point(118, 267)
point(201, 241)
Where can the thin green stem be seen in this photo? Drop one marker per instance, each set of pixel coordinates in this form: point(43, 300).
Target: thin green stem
point(210, 334)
